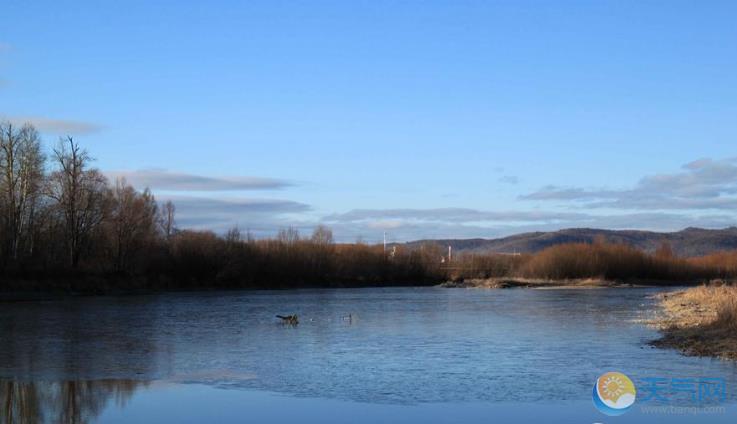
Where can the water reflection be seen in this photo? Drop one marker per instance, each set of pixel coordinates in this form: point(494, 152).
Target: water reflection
point(61, 402)
point(81, 338)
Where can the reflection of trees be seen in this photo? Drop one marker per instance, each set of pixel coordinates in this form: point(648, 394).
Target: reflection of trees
point(61, 402)
point(20, 402)
point(82, 339)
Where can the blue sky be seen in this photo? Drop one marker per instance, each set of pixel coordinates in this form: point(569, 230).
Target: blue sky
point(424, 119)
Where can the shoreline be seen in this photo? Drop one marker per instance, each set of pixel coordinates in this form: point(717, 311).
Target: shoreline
point(699, 321)
point(28, 290)
point(541, 284)
point(56, 292)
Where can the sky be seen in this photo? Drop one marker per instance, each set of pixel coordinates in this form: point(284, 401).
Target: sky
point(421, 119)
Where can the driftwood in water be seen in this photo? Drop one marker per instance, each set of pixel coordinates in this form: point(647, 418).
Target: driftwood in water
point(289, 319)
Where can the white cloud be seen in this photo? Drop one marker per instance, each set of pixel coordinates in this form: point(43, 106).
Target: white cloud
point(161, 179)
point(54, 126)
point(265, 216)
point(704, 184)
point(451, 215)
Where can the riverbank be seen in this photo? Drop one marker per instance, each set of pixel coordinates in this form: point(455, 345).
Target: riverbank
point(699, 321)
point(579, 283)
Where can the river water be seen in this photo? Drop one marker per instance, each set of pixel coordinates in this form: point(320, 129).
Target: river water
point(358, 355)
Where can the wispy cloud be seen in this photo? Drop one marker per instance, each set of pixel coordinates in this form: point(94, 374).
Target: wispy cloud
point(263, 215)
point(704, 184)
point(161, 179)
point(457, 215)
point(55, 126)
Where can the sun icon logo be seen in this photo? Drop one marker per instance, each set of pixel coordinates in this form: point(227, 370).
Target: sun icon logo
point(614, 393)
point(613, 387)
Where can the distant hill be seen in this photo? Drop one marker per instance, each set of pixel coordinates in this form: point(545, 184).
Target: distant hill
point(688, 242)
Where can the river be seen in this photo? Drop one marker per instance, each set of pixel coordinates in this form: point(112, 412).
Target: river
point(431, 355)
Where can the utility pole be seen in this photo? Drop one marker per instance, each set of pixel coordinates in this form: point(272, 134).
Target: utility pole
point(384, 243)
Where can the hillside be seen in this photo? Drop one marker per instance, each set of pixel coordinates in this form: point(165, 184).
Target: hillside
point(687, 242)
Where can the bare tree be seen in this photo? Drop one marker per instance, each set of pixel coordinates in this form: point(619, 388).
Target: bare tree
point(80, 195)
point(21, 177)
point(168, 225)
point(233, 235)
point(322, 235)
point(132, 221)
point(288, 236)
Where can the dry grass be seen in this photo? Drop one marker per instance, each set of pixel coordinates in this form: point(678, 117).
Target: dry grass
point(727, 310)
point(504, 283)
point(720, 264)
point(700, 321)
point(599, 260)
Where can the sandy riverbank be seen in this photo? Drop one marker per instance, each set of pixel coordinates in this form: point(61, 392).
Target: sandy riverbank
point(700, 321)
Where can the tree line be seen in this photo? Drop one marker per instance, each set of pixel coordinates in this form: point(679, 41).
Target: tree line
point(57, 211)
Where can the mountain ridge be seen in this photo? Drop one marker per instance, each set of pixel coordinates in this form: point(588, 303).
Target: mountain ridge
point(691, 241)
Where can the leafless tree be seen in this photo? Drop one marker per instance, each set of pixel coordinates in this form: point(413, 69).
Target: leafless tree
point(80, 196)
point(233, 236)
point(322, 235)
point(168, 224)
point(132, 221)
point(21, 177)
point(288, 236)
